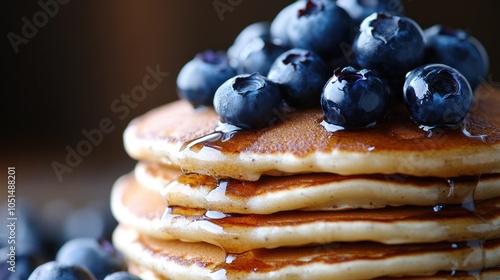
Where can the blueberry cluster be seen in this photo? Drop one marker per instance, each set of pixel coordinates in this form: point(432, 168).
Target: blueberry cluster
point(289, 61)
point(84, 259)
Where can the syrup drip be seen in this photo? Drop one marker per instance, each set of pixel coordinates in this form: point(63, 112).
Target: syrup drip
point(167, 217)
point(219, 193)
point(223, 132)
point(331, 127)
point(202, 222)
point(463, 127)
point(334, 128)
point(468, 254)
point(476, 257)
point(466, 196)
point(220, 274)
point(460, 190)
point(438, 207)
point(483, 137)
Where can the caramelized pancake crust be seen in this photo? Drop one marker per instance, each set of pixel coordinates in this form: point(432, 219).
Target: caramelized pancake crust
point(314, 191)
point(237, 233)
point(361, 260)
point(298, 144)
point(487, 274)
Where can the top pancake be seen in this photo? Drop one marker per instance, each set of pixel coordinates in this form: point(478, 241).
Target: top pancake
point(297, 143)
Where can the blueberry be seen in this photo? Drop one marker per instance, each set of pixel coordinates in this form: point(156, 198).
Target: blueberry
point(456, 48)
point(302, 75)
point(437, 95)
point(279, 25)
point(122, 275)
point(320, 26)
point(258, 55)
point(29, 241)
point(57, 271)
point(98, 256)
point(389, 45)
point(354, 99)
point(360, 9)
point(248, 101)
point(255, 30)
point(22, 265)
point(200, 77)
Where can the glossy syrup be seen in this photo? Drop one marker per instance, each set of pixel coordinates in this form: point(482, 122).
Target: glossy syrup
point(476, 255)
point(222, 133)
point(472, 252)
point(476, 252)
point(463, 128)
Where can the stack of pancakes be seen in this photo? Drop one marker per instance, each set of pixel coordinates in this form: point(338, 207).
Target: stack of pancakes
point(294, 201)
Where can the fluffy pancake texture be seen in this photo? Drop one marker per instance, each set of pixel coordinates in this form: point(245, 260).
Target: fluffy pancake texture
point(239, 233)
point(180, 260)
point(314, 191)
point(299, 144)
point(487, 274)
point(294, 201)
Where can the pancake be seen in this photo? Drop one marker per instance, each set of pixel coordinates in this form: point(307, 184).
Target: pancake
point(239, 233)
point(487, 274)
point(299, 144)
point(318, 191)
point(179, 260)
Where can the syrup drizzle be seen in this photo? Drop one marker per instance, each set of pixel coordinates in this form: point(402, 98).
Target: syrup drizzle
point(431, 130)
point(334, 128)
point(477, 256)
point(473, 251)
point(463, 188)
point(219, 193)
point(223, 132)
point(483, 137)
point(202, 221)
point(168, 217)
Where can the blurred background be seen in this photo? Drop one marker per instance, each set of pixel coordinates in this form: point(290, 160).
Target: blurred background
point(85, 55)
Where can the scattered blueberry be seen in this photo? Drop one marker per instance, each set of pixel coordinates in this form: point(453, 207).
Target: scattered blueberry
point(28, 237)
point(279, 25)
point(456, 48)
point(258, 55)
point(255, 30)
point(22, 266)
point(122, 275)
point(98, 256)
point(57, 271)
point(248, 101)
point(320, 26)
point(437, 95)
point(199, 78)
point(389, 45)
point(302, 75)
point(360, 9)
point(354, 99)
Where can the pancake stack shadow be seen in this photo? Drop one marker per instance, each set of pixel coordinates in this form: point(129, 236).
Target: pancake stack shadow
point(293, 201)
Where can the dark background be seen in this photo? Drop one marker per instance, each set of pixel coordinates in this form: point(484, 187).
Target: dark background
point(66, 77)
